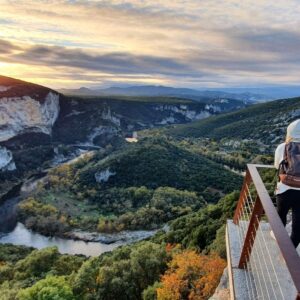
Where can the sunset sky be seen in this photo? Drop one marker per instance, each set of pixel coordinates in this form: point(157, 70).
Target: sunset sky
point(192, 43)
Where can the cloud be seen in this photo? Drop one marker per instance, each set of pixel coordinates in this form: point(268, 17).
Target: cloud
point(186, 43)
point(7, 47)
point(277, 41)
point(112, 63)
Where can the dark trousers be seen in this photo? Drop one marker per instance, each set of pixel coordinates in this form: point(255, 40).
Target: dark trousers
point(286, 201)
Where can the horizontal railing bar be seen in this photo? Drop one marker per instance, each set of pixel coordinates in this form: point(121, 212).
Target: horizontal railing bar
point(284, 242)
point(261, 166)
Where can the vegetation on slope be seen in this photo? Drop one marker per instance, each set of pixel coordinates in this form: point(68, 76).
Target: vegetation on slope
point(150, 183)
point(198, 230)
point(144, 270)
point(126, 273)
point(268, 119)
point(236, 138)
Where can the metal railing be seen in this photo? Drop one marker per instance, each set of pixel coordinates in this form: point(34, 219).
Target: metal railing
point(256, 216)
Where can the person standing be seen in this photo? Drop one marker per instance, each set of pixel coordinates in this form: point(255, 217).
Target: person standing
point(287, 162)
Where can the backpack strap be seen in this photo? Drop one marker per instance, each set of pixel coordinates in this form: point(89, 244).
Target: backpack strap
point(281, 168)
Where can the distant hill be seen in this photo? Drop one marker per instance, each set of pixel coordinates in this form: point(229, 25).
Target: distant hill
point(255, 94)
point(234, 139)
point(266, 122)
point(153, 90)
point(266, 93)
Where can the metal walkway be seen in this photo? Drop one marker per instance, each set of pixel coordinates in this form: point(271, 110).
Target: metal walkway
point(260, 266)
point(245, 289)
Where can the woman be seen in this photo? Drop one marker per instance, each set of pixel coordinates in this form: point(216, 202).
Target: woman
point(288, 197)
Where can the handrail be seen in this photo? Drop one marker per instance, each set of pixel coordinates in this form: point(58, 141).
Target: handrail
point(264, 205)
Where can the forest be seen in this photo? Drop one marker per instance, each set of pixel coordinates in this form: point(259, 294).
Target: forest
point(154, 182)
point(186, 262)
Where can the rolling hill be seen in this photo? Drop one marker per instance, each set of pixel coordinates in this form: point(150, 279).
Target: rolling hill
point(265, 122)
point(140, 186)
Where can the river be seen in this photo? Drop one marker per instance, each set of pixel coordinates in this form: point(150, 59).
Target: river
point(22, 236)
point(17, 234)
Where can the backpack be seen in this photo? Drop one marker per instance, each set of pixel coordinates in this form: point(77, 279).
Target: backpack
point(289, 169)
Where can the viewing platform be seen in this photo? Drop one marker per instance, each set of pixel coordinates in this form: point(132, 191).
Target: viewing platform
point(260, 265)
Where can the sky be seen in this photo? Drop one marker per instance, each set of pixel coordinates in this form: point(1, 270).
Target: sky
point(195, 43)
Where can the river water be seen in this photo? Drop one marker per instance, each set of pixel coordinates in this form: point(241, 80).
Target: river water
point(17, 234)
point(22, 236)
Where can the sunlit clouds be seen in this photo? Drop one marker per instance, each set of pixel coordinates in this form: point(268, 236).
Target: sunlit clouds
point(180, 43)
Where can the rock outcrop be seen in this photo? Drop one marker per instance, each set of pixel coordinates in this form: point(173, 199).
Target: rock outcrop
point(186, 112)
point(25, 114)
point(222, 291)
point(98, 132)
point(103, 176)
point(26, 107)
point(6, 160)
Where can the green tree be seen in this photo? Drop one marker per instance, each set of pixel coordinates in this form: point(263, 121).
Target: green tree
point(37, 263)
point(84, 282)
point(50, 288)
point(150, 293)
point(66, 264)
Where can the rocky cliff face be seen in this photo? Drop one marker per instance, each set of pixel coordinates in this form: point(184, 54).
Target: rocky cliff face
point(184, 111)
point(98, 121)
point(6, 160)
point(25, 109)
point(25, 114)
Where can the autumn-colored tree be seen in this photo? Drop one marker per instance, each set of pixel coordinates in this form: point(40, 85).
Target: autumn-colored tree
point(191, 276)
point(207, 283)
point(61, 176)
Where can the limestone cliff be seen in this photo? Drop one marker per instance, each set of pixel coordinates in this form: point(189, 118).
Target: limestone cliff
point(25, 108)
point(25, 114)
point(186, 112)
point(6, 160)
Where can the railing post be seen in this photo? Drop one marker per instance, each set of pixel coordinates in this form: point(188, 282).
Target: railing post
point(251, 233)
point(242, 198)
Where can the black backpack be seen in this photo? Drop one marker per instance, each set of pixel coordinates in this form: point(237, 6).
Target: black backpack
point(289, 169)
